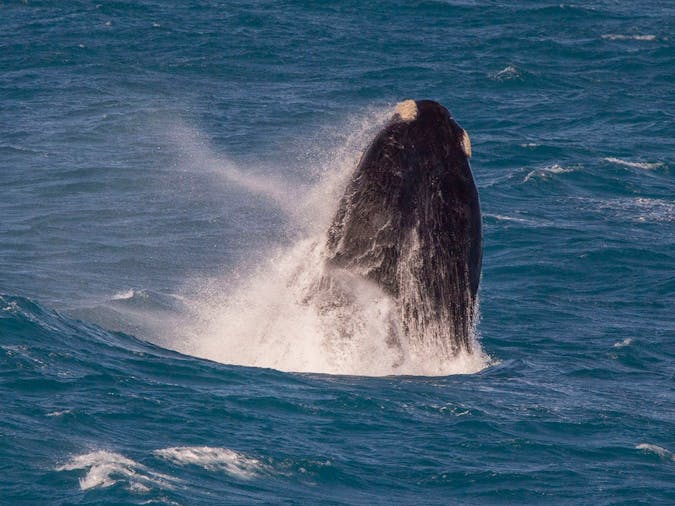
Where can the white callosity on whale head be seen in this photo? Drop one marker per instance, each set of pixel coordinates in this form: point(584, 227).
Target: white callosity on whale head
point(406, 110)
point(466, 144)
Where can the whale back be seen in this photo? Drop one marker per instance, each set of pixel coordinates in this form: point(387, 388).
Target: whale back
point(410, 222)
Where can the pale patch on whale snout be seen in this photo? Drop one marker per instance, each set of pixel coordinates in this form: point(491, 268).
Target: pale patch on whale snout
point(466, 144)
point(406, 110)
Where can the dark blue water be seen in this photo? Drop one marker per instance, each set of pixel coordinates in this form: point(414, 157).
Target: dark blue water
point(163, 164)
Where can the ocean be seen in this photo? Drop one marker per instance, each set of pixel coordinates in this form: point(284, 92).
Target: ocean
point(164, 169)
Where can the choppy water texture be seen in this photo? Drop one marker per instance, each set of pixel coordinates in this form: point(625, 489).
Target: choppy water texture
point(164, 169)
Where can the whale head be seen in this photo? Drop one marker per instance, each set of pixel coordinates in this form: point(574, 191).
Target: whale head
point(410, 221)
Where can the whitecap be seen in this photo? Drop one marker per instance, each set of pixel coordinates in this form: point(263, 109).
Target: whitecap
point(619, 36)
point(59, 413)
point(658, 450)
point(508, 73)
point(12, 307)
point(213, 459)
point(622, 344)
point(547, 172)
point(636, 209)
point(501, 217)
point(124, 295)
point(636, 165)
point(105, 468)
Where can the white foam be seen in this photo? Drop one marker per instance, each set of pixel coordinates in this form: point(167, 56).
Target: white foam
point(124, 295)
point(618, 36)
point(453, 410)
point(105, 468)
point(658, 450)
point(622, 344)
point(501, 217)
point(634, 209)
point(546, 172)
point(636, 165)
point(271, 320)
point(59, 413)
point(508, 73)
point(12, 307)
point(654, 210)
point(213, 459)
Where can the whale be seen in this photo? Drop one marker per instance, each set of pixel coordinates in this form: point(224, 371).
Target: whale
point(409, 222)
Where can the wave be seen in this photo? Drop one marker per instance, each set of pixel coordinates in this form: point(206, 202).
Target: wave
point(619, 36)
point(500, 217)
point(105, 468)
point(636, 165)
point(656, 450)
point(547, 172)
point(234, 463)
point(633, 209)
point(508, 73)
point(125, 294)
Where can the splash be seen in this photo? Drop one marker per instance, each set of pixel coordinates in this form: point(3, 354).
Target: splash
point(196, 154)
point(279, 313)
point(105, 468)
point(231, 462)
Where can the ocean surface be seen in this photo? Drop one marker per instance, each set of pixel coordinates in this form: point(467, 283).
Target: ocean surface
point(164, 166)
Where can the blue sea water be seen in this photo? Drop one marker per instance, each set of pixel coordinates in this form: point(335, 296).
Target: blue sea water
point(162, 165)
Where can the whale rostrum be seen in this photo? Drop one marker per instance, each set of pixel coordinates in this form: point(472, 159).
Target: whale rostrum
point(410, 222)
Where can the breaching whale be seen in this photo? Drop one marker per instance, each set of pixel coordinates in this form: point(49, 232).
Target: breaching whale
point(410, 222)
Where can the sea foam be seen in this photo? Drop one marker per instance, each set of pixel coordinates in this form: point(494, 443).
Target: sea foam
point(213, 459)
point(547, 172)
point(636, 165)
point(656, 450)
point(105, 468)
point(620, 36)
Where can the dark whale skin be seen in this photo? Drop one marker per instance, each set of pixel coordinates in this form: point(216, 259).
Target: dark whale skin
point(410, 221)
